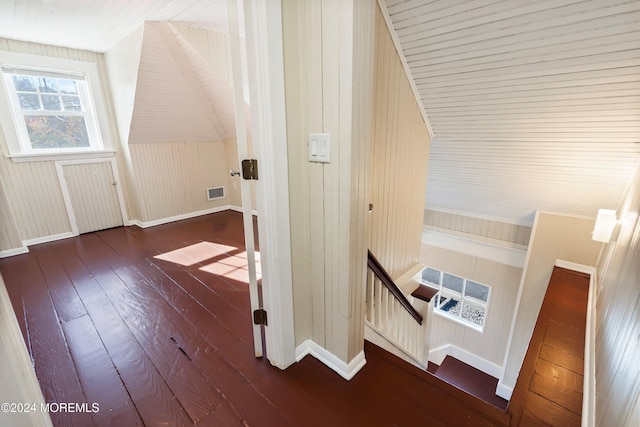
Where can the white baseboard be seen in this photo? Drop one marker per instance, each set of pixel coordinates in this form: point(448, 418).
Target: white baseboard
point(146, 224)
point(580, 268)
point(345, 370)
point(15, 251)
point(47, 239)
point(239, 209)
point(437, 355)
point(504, 391)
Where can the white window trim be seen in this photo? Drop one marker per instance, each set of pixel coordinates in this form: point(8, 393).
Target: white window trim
point(446, 315)
point(92, 75)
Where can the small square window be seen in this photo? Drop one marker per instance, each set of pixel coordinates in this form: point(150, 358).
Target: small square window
point(460, 299)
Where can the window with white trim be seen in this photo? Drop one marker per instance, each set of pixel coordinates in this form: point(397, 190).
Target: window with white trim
point(460, 299)
point(52, 111)
point(52, 107)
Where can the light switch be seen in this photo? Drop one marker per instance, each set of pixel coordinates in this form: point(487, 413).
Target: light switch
point(320, 147)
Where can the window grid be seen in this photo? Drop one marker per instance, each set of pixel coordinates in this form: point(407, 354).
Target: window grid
point(458, 305)
point(52, 113)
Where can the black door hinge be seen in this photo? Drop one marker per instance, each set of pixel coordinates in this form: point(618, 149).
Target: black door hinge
point(260, 317)
point(250, 169)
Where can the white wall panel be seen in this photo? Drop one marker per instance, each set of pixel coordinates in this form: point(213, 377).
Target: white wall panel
point(618, 318)
point(9, 237)
point(328, 60)
point(172, 178)
point(483, 228)
point(399, 161)
point(167, 107)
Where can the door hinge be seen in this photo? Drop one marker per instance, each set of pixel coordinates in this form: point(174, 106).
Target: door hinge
point(250, 169)
point(260, 317)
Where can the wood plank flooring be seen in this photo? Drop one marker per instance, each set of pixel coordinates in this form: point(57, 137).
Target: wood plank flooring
point(549, 388)
point(108, 319)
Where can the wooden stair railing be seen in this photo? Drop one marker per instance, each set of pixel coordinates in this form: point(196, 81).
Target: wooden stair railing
point(388, 282)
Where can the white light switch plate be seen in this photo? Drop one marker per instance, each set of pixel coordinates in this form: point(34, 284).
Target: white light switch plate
point(320, 147)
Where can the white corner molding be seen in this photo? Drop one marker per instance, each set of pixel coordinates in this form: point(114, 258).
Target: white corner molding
point(504, 391)
point(345, 370)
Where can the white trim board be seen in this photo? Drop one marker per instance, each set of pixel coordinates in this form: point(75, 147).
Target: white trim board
point(504, 255)
point(437, 355)
point(161, 221)
point(15, 251)
point(345, 370)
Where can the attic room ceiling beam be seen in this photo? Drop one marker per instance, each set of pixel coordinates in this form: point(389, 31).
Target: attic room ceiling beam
point(169, 37)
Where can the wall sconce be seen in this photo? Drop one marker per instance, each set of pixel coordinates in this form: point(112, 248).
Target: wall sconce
point(605, 223)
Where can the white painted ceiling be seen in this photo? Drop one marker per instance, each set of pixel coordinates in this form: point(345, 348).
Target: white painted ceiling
point(533, 104)
point(97, 25)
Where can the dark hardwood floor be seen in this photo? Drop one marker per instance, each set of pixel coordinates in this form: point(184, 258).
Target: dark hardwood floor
point(549, 388)
point(109, 319)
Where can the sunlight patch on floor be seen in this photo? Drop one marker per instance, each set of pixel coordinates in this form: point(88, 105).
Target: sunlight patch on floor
point(233, 267)
point(197, 253)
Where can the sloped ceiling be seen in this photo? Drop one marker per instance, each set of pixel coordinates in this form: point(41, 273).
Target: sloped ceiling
point(179, 97)
point(533, 104)
point(97, 25)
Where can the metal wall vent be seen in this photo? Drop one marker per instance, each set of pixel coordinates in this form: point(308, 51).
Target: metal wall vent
point(215, 193)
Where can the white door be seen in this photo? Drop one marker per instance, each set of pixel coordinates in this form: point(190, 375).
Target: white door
point(93, 196)
point(245, 185)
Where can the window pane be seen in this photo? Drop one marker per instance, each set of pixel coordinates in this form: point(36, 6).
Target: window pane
point(48, 84)
point(432, 276)
point(67, 86)
point(71, 103)
point(51, 102)
point(473, 313)
point(477, 291)
point(24, 83)
point(57, 131)
point(29, 101)
point(450, 304)
point(452, 282)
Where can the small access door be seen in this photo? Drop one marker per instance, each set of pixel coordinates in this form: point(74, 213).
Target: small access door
point(91, 193)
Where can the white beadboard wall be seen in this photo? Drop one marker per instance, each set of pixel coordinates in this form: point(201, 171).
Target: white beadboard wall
point(329, 89)
point(554, 237)
point(9, 237)
point(534, 105)
point(400, 161)
point(504, 280)
point(618, 319)
point(484, 228)
point(31, 188)
point(122, 62)
point(172, 178)
point(167, 106)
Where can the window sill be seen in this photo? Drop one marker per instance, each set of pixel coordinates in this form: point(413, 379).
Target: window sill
point(21, 158)
point(459, 321)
